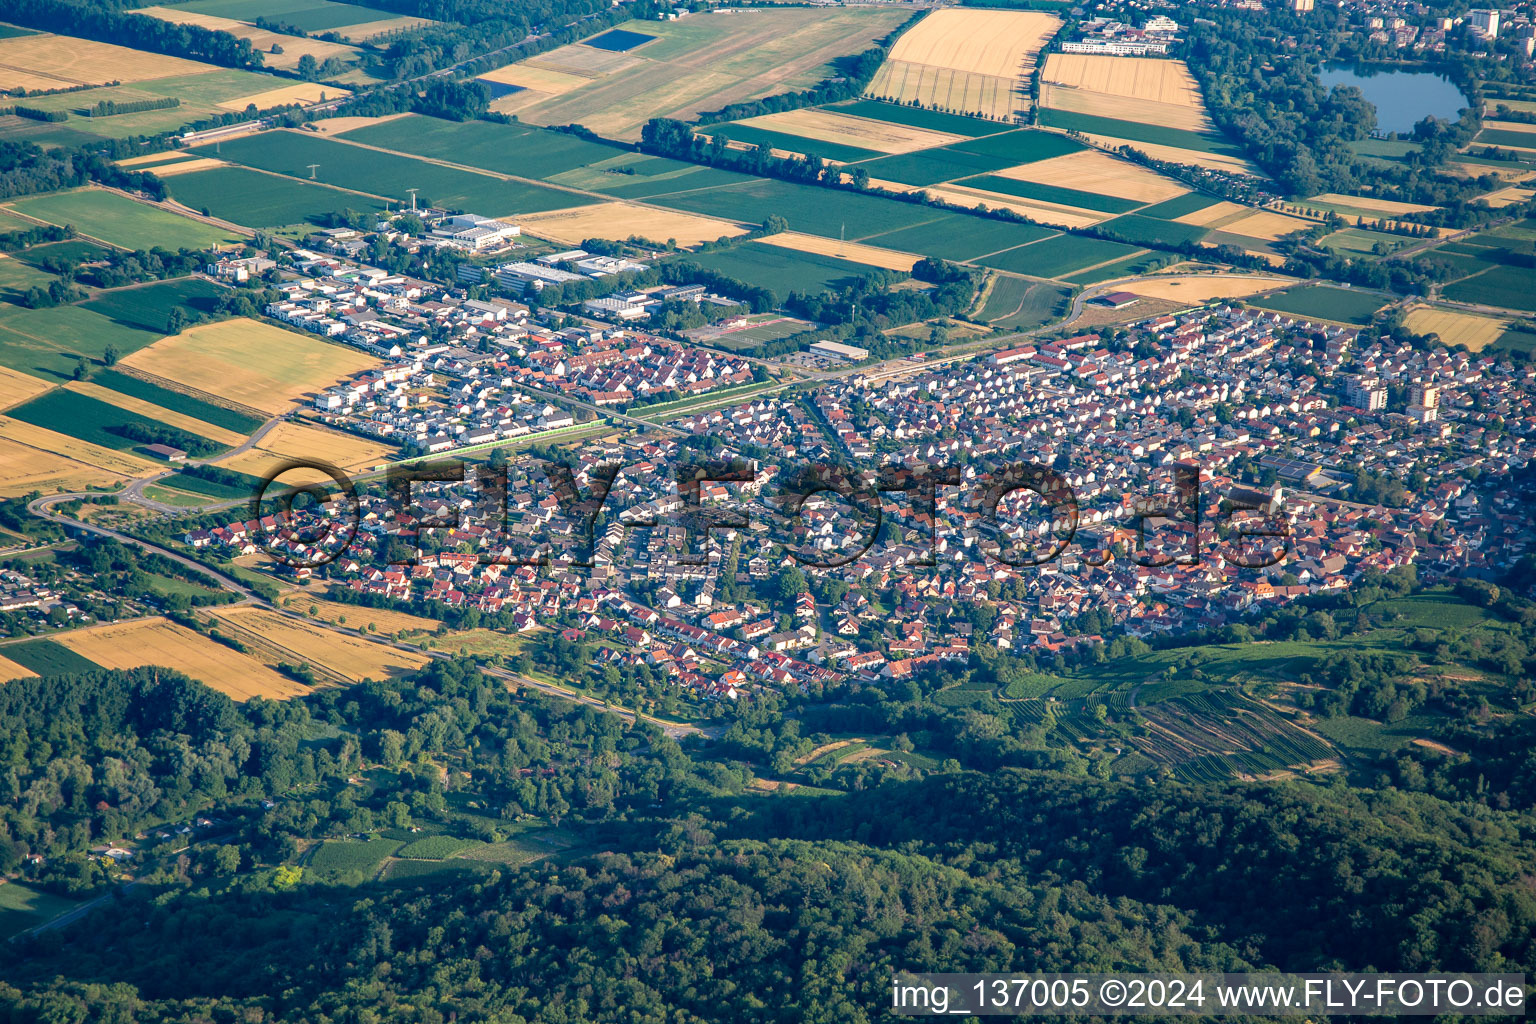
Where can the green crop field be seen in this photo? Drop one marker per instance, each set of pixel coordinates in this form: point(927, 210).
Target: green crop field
point(1017, 303)
point(75, 249)
point(1142, 264)
point(47, 342)
point(1362, 242)
point(1064, 254)
point(16, 277)
point(260, 200)
point(929, 166)
point(816, 211)
point(122, 222)
point(1051, 194)
point(1151, 231)
point(435, 847)
point(1023, 146)
point(208, 412)
point(147, 306)
point(200, 96)
point(1506, 287)
point(651, 182)
point(390, 176)
point(755, 136)
point(1504, 137)
point(1316, 300)
point(22, 907)
point(1179, 206)
point(960, 236)
point(781, 270)
point(83, 417)
point(309, 15)
point(1134, 131)
point(915, 117)
point(47, 658)
point(349, 862)
point(515, 149)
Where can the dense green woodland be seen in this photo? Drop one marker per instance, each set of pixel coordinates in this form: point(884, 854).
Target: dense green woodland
point(687, 900)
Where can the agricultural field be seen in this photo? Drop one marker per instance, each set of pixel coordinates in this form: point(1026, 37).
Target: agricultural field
point(824, 127)
point(12, 670)
point(1019, 303)
point(1201, 288)
point(77, 413)
point(47, 343)
point(17, 387)
point(1321, 302)
point(969, 157)
point(23, 907)
point(176, 402)
point(1058, 256)
point(1496, 267)
point(349, 861)
point(154, 413)
point(110, 464)
point(919, 118)
point(514, 149)
point(120, 221)
point(351, 21)
point(1178, 145)
point(46, 657)
point(781, 270)
point(387, 175)
point(335, 656)
point(1146, 90)
point(29, 468)
point(44, 61)
point(748, 135)
point(816, 211)
point(968, 60)
point(696, 64)
point(158, 641)
point(959, 236)
point(248, 362)
point(147, 306)
point(260, 200)
point(202, 94)
point(290, 441)
point(619, 221)
point(1455, 327)
point(855, 252)
point(384, 621)
point(293, 47)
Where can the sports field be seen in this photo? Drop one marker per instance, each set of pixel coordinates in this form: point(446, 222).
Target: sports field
point(278, 637)
point(249, 362)
point(1315, 301)
point(258, 200)
point(700, 63)
point(969, 60)
point(118, 220)
point(1455, 327)
point(160, 642)
point(387, 175)
point(619, 221)
point(1158, 92)
point(46, 61)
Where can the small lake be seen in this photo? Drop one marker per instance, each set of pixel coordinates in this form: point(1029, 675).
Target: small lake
point(1402, 98)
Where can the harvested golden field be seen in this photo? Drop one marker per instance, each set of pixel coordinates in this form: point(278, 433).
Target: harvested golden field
point(338, 125)
point(290, 441)
point(160, 642)
point(17, 387)
point(1194, 158)
point(250, 362)
point(1142, 89)
point(155, 158)
point(1199, 288)
point(10, 670)
point(1090, 170)
point(537, 79)
point(869, 254)
point(385, 621)
point(1386, 206)
point(1512, 126)
point(384, 26)
point(1215, 214)
point(300, 92)
point(1508, 197)
point(46, 61)
point(341, 657)
point(618, 221)
point(1265, 225)
point(293, 47)
point(156, 412)
point(29, 469)
point(829, 126)
point(170, 170)
point(701, 63)
point(973, 61)
point(1045, 213)
point(109, 459)
point(1456, 328)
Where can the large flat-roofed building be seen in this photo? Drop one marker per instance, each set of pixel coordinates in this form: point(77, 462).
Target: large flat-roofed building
point(837, 350)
